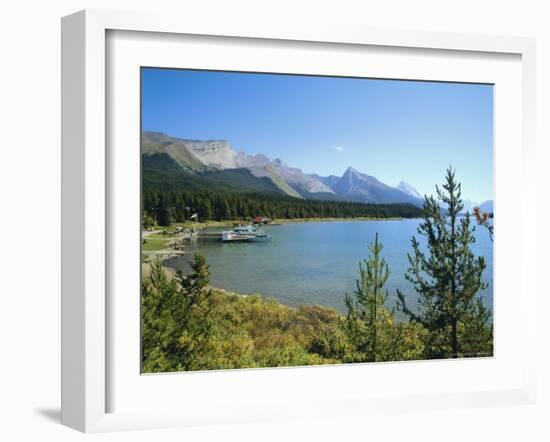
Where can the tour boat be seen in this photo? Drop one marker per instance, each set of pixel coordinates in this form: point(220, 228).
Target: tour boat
point(245, 234)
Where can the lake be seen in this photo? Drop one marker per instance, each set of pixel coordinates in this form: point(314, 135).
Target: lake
point(317, 262)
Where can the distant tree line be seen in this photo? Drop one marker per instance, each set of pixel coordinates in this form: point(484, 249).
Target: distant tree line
point(166, 207)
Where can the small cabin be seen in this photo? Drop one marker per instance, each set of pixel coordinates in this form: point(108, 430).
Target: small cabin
point(261, 220)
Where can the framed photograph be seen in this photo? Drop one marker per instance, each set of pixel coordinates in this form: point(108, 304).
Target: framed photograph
point(262, 222)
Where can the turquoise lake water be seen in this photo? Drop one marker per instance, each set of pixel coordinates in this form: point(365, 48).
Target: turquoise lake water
point(317, 262)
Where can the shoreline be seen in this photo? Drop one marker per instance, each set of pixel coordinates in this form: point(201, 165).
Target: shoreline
point(333, 220)
point(167, 251)
point(276, 221)
point(170, 273)
point(268, 298)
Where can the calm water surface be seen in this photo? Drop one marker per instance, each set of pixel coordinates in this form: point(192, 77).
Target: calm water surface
point(317, 262)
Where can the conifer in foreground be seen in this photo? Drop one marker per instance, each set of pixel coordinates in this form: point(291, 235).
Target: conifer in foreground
point(369, 323)
point(448, 277)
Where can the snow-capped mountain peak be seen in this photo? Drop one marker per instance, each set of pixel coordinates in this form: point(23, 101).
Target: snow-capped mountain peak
point(409, 190)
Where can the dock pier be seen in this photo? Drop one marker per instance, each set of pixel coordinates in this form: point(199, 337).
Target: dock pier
point(210, 235)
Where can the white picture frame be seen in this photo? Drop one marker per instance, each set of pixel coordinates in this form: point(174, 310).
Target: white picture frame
point(86, 315)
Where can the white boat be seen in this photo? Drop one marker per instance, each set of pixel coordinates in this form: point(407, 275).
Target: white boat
point(245, 234)
point(261, 236)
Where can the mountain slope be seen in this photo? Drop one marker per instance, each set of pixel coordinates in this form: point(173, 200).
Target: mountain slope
point(216, 154)
point(357, 186)
point(280, 183)
point(329, 181)
point(162, 172)
point(409, 190)
point(158, 143)
point(298, 180)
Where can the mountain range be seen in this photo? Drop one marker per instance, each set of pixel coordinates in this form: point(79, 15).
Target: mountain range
point(193, 164)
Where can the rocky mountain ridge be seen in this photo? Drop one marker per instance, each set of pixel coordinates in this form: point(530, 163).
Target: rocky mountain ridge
point(202, 156)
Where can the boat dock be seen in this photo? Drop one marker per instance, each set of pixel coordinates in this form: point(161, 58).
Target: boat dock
point(210, 235)
point(237, 234)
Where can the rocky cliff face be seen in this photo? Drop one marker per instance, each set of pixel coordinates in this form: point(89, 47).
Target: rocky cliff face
point(217, 154)
point(220, 155)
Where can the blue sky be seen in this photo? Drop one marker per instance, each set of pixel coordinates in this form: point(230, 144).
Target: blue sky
point(394, 130)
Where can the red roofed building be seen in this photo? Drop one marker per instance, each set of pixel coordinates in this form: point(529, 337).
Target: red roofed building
point(261, 220)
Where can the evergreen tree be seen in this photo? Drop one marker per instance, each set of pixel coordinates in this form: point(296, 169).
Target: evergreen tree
point(483, 219)
point(157, 323)
point(192, 313)
point(206, 211)
point(447, 277)
point(227, 213)
point(164, 211)
point(176, 327)
point(369, 323)
point(147, 221)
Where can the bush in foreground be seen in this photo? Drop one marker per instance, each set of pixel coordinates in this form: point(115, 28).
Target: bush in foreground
point(226, 330)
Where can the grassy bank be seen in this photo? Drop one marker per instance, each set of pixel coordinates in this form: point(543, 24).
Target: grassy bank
point(155, 244)
point(159, 242)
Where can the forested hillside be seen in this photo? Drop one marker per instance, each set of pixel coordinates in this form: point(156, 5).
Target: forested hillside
point(165, 208)
point(172, 194)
